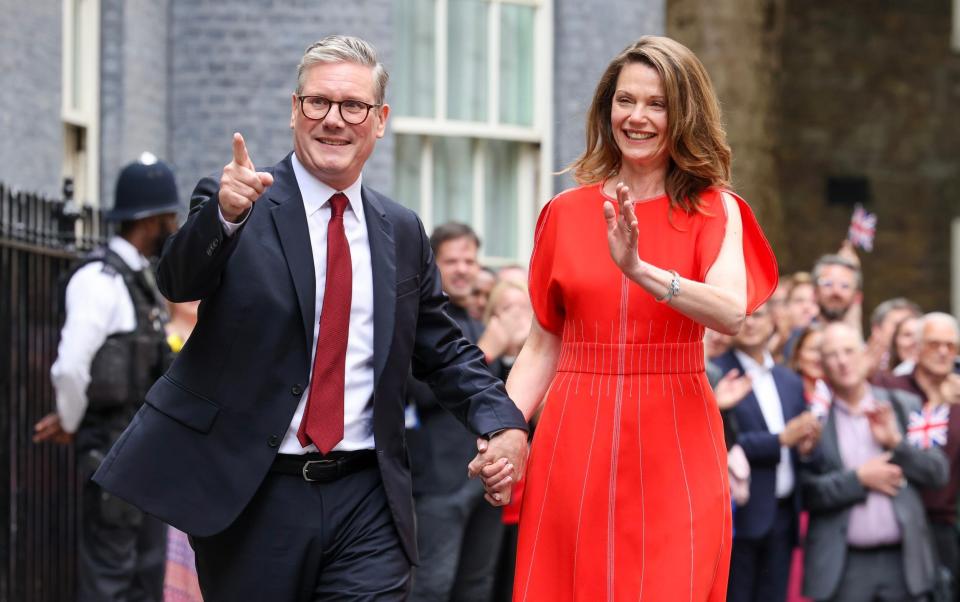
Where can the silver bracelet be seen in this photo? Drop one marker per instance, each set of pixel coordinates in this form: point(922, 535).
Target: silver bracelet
point(673, 289)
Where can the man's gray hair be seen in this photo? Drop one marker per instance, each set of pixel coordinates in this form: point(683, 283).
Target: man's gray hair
point(344, 49)
point(882, 310)
point(837, 260)
point(937, 316)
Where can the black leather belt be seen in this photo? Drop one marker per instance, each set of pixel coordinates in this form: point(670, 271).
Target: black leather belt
point(886, 547)
point(323, 469)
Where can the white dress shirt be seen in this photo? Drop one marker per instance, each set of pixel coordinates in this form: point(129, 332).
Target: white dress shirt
point(765, 390)
point(358, 383)
point(98, 305)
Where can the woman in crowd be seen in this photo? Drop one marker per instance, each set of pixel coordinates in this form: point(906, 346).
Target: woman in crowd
point(509, 307)
point(903, 346)
point(626, 493)
point(805, 361)
point(801, 301)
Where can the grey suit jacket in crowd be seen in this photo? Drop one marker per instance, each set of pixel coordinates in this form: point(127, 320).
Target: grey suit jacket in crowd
point(830, 490)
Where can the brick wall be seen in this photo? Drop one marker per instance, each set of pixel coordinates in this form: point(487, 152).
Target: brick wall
point(234, 69)
point(587, 35)
point(134, 86)
point(31, 133)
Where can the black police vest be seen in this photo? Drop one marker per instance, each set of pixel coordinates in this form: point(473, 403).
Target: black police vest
point(128, 363)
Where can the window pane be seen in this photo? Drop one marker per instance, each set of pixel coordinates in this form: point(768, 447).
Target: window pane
point(500, 208)
point(516, 64)
point(413, 79)
point(452, 180)
point(407, 171)
point(467, 60)
point(77, 54)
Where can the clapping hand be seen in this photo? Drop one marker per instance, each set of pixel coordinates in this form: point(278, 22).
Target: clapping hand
point(802, 431)
point(500, 462)
point(731, 389)
point(240, 184)
point(806, 445)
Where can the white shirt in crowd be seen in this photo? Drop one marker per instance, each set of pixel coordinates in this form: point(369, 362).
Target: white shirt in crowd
point(358, 384)
point(97, 305)
point(765, 390)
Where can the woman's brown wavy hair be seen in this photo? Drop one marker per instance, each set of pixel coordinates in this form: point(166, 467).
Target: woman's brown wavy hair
point(696, 140)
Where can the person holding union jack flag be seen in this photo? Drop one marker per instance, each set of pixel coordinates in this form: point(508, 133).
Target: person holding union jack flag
point(937, 425)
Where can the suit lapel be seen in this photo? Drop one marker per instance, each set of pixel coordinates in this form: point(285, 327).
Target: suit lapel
point(383, 259)
point(829, 443)
point(290, 221)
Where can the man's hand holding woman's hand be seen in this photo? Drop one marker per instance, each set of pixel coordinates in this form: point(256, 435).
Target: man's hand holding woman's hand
point(500, 463)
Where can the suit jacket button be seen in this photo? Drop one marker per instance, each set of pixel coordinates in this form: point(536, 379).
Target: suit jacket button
point(296, 390)
point(273, 441)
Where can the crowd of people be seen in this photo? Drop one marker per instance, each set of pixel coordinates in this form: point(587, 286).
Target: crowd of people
point(852, 441)
point(313, 432)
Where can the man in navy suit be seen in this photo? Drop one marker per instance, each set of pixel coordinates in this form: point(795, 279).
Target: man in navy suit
point(774, 427)
point(276, 439)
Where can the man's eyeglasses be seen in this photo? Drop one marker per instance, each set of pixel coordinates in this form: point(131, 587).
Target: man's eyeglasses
point(353, 112)
point(827, 283)
point(951, 346)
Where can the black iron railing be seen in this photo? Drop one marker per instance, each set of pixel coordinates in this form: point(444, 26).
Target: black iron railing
point(39, 239)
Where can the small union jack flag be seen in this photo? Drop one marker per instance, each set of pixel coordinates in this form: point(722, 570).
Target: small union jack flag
point(863, 227)
point(928, 427)
point(819, 400)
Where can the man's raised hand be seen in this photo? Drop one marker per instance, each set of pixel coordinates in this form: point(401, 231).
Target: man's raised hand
point(240, 184)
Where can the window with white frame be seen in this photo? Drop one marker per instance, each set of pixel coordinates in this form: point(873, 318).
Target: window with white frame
point(81, 93)
point(471, 102)
point(955, 31)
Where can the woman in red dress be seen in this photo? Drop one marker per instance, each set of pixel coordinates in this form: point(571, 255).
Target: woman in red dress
point(626, 495)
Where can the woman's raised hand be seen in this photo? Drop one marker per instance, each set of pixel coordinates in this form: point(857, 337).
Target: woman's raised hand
point(623, 232)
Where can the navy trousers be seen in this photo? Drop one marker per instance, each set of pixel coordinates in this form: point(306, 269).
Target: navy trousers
point(301, 541)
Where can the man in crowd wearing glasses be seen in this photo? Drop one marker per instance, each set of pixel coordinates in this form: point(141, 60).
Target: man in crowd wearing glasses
point(276, 440)
point(934, 380)
point(838, 287)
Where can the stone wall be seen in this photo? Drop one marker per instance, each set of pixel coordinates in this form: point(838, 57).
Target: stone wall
point(871, 89)
point(738, 42)
point(863, 90)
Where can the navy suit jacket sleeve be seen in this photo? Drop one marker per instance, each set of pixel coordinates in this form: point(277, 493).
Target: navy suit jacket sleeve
point(193, 258)
point(454, 368)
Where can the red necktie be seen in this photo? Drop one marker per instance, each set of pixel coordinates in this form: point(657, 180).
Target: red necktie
point(322, 422)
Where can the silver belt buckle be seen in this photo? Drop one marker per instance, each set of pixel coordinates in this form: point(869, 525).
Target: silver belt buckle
point(306, 465)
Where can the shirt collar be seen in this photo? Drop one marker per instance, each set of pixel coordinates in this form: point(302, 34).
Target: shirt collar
point(128, 253)
point(865, 403)
point(750, 365)
point(316, 194)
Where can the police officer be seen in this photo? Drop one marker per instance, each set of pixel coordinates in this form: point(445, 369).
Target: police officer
point(112, 348)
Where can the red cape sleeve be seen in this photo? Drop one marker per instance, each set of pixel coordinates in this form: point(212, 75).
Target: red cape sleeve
point(545, 292)
point(758, 258)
